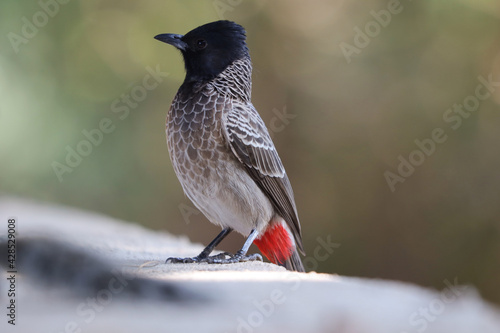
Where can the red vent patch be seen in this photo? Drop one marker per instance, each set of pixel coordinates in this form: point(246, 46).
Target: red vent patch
point(275, 244)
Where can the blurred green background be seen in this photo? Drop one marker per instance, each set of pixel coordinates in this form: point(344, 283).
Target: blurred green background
point(340, 119)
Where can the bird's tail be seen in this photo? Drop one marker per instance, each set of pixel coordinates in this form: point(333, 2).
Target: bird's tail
point(294, 263)
point(278, 245)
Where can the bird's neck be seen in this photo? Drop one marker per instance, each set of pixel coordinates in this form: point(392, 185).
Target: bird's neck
point(235, 81)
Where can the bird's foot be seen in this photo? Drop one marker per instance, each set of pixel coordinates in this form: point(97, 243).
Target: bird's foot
point(228, 258)
point(198, 258)
point(221, 258)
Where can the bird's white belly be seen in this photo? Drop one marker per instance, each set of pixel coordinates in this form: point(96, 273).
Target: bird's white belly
point(229, 197)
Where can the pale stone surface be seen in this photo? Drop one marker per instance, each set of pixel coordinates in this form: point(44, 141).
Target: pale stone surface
point(248, 297)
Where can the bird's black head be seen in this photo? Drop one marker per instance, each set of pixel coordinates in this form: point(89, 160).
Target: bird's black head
point(209, 49)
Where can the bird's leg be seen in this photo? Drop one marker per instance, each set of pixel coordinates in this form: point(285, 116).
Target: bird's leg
point(204, 255)
point(239, 256)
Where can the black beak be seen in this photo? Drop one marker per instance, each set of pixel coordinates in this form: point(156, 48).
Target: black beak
point(173, 39)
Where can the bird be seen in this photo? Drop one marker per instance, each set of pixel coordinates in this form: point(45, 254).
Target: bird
point(223, 154)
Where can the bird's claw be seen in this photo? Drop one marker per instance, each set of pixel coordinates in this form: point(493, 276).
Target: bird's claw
point(221, 258)
point(197, 259)
point(173, 260)
point(237, 258)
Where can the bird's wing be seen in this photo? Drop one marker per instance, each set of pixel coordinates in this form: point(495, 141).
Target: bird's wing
point(250, 142)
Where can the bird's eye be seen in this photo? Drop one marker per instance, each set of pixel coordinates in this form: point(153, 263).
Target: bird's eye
point(201, 43)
